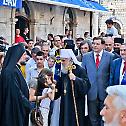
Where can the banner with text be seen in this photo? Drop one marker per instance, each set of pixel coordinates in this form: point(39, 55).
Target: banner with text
point(11, 3)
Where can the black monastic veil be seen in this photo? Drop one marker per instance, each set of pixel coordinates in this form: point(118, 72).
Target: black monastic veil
point(14, 95)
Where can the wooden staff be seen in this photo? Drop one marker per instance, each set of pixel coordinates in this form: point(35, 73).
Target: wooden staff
point(70, 68)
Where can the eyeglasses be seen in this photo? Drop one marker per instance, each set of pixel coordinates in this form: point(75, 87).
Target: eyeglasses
point(63, 60)
point(85, 48)
point(39, 59)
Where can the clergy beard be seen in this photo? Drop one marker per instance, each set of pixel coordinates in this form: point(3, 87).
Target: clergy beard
point(115, 121)
point(117, 50)
point(64, 70)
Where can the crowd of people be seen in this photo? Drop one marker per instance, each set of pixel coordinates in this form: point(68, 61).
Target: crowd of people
point(70, 79)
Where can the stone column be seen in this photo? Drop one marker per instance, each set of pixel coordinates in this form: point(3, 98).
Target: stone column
point(33, 29)
point(75, 25)
point(95, 24)
point(13, 21)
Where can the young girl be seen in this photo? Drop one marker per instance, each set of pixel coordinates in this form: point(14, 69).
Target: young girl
point(45, 80)
point(45, 90)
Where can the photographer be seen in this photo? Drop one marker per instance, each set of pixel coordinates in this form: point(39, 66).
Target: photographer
point(3, 44)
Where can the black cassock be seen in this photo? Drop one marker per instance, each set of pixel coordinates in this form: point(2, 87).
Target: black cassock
point(81, 87)
point(14, 95)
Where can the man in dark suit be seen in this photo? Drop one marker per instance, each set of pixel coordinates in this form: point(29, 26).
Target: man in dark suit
point(97, 64)
point(78, 42)
point(109, 46)
point(119, 67)
point(25, 32)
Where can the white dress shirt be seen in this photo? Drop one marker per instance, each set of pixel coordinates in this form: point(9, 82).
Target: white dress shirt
point(121, 72)
point(100, 55)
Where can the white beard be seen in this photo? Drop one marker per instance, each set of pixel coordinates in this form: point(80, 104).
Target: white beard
point(114, 122)
point(64, 70)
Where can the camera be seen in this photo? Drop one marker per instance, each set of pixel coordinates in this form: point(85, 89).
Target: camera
point(2, 48)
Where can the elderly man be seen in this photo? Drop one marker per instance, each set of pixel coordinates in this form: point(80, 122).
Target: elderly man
point(114, 111)
point(72, 87)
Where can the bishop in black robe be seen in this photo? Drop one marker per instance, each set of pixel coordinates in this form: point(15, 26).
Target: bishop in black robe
point(67, 107)
point(14, 95)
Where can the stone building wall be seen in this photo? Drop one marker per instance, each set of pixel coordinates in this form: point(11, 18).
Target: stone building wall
point(117, 11)
point(5, 22)
point(45, 26)
point(44, 19)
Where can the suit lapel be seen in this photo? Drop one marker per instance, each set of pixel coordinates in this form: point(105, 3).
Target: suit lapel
point(103, 58)
point(92, 59)
point(119, 67)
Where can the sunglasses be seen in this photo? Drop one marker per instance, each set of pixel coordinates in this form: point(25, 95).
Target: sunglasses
point(63, 60)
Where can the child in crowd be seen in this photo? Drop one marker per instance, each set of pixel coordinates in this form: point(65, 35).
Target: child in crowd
point(45, 91)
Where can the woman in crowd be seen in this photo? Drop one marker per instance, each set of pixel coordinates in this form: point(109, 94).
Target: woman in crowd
point(85, 47)
point(45, 90)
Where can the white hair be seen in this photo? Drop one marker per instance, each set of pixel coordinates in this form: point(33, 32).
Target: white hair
point(120, 92)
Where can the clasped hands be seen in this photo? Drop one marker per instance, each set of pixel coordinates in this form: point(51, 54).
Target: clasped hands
point(72, 76)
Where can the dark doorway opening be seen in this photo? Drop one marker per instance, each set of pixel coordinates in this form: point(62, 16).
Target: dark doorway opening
point(22, 23)
point(23, 16)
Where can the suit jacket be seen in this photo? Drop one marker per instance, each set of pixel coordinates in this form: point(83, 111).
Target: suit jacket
point(99, 78)
point(76, 52)
point(115, 74)
point(79, 58)
point(115, 55)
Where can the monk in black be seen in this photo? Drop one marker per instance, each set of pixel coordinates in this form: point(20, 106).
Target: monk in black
point(14, 95)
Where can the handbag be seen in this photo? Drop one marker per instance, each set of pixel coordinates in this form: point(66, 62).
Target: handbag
point(36, 116)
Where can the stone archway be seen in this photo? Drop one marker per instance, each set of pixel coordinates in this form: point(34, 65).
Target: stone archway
point(22, 23)
point(69, 20)
point(118, 25)
point(23, 16)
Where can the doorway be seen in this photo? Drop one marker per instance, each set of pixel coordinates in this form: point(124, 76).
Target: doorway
point(69, 20)
point(23, 16)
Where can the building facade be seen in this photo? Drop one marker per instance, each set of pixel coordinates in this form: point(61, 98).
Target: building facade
point(117, 12)
point(43, 19)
